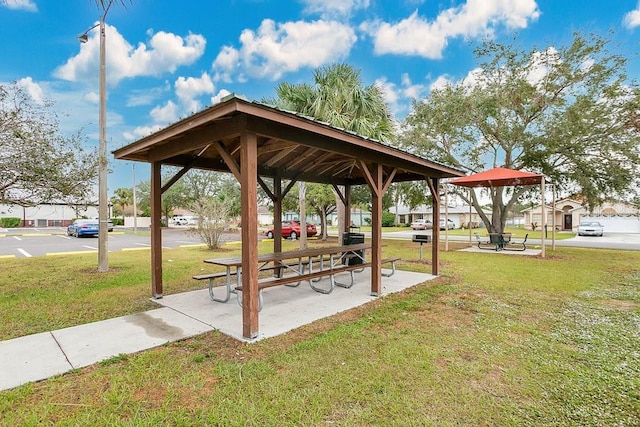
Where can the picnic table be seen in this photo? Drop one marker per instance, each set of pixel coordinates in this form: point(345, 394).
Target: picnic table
point(502, 241)
point(320, 262)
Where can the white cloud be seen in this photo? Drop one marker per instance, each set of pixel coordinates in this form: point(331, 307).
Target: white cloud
point(92, 97)
point(328, 9)
point(165, 52)
point(166, 114)
point(541, 64)
point(275, 49)
point(440, 83)
point(632, 19)
point(33, 89)
point(411, 90)
point(418, 36)
point(188, 89)
point(26, 5)
point(399, 98)
point(221, 94)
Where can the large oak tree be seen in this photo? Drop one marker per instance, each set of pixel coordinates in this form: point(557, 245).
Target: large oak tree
point(568, 112)
point(38, 163)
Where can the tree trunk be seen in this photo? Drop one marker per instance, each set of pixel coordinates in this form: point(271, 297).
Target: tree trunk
point(340, 208)
point(302, 192)
point(323, 223)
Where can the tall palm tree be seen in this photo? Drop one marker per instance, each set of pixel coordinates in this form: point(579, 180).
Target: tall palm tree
point(340, 99)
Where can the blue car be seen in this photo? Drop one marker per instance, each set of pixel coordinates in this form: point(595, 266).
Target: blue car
point(83, 227)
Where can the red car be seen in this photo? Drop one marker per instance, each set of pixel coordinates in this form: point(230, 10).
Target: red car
point(292, 229)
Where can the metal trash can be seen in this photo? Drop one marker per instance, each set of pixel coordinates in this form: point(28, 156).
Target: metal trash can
point(353, 239)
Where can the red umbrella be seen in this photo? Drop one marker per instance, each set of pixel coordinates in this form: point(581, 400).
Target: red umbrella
point(503, 177)
point(499, 177)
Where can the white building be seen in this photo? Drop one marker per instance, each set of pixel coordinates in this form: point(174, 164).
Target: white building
point(48, 215)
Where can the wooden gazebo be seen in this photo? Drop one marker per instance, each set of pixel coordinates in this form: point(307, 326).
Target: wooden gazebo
point(257, 142)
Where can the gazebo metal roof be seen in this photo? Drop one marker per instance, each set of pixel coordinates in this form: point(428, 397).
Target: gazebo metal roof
point(290, 145)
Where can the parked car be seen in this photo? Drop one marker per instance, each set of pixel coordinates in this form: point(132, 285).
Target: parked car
point(291, 229)
point(421, 224)
point(180, 220)
point(109, 224)
point(450, 224)
point(83, 227)
point(590, 228)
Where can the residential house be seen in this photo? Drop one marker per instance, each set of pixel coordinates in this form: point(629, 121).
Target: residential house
point(617, 217)
point(460, 215)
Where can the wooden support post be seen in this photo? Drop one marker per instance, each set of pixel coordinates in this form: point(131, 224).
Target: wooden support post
point(544, 216)
point(156, 230)
point(434, 186)
point(249, 202)
point(376, 230)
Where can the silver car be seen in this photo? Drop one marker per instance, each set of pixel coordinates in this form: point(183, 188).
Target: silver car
point(590, 228)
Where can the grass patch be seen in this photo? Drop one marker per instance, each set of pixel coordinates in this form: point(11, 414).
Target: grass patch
point(495, 340)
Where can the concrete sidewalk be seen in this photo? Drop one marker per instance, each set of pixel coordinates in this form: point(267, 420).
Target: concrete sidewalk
point(40, 356)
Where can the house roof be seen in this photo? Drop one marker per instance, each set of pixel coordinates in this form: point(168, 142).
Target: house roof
point(423, 209)
point(290, 146)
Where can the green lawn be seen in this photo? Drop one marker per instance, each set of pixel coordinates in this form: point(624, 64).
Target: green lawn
point(495, 340)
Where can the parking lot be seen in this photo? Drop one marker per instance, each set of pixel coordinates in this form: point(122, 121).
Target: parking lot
point(30, 242)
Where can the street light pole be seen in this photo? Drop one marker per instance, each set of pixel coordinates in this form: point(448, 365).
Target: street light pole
point(103, 258)
point(103, 212)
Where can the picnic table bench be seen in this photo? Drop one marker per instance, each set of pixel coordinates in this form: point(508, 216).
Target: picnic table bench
point(304, 259)
point(303, 265)
point(502, 241)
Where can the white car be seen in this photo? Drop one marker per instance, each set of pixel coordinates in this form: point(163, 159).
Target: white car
point(421, 224)
point(590, 228)
point(450, 224)
point(180, 220)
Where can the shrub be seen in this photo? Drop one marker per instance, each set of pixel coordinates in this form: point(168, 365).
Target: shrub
point(10, 222)
point(388, 219)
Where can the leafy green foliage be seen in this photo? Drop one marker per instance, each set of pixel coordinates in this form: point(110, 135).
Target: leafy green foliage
point(567, 112)
point(38, 164)
point(10, 222)
point(388, 219)
point(121, 199)
point(339, 98)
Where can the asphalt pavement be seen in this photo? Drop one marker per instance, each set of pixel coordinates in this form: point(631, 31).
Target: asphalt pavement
point(28, 242)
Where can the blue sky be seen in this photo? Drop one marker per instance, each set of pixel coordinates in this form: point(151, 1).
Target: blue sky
point(168, 59)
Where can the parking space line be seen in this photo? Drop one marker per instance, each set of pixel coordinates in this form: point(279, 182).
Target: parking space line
point(70, 253)
point(90, 247)
point(25, 253)
point(17, 238)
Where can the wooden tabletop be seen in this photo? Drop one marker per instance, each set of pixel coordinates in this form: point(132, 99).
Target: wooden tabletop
point(297, 254)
